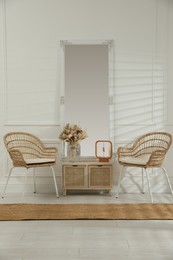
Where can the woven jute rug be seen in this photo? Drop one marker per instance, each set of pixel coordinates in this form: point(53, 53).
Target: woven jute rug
point(85, 211)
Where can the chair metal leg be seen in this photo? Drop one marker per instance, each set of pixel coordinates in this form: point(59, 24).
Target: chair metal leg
point(149, 186)
point(119, 181)
point(167, 178)
point(143, 180)
point(56, 188)
point(3, 193)
point(34, 180)
point(25, 181)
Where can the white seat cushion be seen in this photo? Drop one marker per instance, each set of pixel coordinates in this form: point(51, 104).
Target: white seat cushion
point(141, 160)
point(39, 160)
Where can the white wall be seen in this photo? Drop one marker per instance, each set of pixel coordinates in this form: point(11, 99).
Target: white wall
point(30, 65)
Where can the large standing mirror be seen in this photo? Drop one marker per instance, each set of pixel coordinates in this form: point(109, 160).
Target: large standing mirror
point(86, 90)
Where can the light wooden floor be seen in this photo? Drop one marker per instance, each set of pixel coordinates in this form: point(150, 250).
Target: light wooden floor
point(85, 197)
point(86, 239)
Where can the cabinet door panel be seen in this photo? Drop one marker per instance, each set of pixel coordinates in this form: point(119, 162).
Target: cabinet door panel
point(75, 177)
point(100, 176)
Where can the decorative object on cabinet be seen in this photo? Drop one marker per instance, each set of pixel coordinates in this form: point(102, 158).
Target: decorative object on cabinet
point(28, 151)
point(73, 134)
point(86, 176)
point(103, 150)
point(147, 151)
point(73, 152)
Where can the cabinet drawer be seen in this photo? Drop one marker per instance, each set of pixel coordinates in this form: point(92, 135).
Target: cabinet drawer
point(75, 176)
point(100, 176)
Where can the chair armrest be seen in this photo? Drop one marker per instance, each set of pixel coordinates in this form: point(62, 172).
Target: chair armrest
point(49, 152)
point(17, 158)
point(124, 151)
point(43, 149)
point(157, 157)
point(51, 149)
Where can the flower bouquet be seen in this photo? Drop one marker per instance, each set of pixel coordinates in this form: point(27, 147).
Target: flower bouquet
point(73, 134)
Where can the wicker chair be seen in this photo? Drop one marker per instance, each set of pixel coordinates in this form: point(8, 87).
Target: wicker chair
point(148, 151)
point(26, 150)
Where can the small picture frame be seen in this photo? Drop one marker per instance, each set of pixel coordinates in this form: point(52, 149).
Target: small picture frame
point(103, 150)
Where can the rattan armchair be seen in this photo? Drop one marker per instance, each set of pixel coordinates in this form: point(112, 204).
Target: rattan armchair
point(28, 151)
point(147, 151)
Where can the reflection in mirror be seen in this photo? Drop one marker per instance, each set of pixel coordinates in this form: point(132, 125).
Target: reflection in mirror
point(86, 90)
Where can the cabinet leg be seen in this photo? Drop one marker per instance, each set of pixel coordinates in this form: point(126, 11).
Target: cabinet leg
point(64, 193)
point(109, 193)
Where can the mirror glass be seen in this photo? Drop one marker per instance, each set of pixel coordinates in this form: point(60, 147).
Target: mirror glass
point(86, 91)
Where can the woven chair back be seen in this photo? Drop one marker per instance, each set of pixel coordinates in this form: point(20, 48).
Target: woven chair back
point(151, 142)
point(29, 145)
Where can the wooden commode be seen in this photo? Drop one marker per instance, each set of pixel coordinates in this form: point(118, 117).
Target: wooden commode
point(86, 176)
